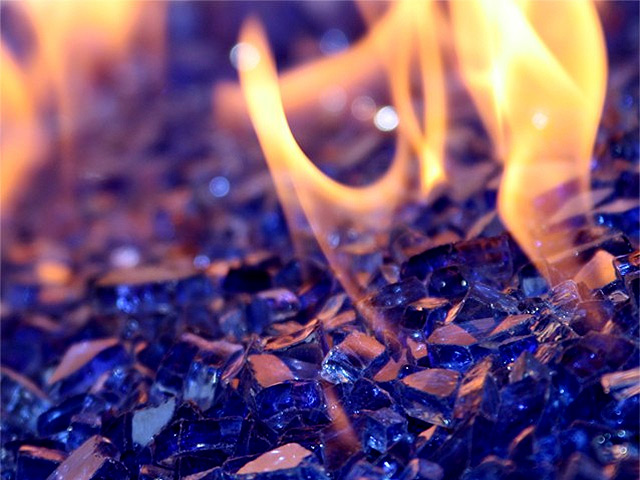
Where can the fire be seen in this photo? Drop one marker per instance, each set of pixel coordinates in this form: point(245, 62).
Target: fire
point(72, 43)
point(538, 80)
point(535, 70)
point(337, 212)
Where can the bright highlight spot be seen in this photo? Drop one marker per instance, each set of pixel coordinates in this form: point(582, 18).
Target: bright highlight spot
point(244, 56)
point(219, 187)
point(386, 119)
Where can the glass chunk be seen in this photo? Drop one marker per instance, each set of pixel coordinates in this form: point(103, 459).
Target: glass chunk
point(150, 288)
point(424, 263)
point(420, 469)
point(531, 282)
point(286, 457)
point(597, 353)
point(357, 355)
point(191, 436)
point(306, 344)
point(485, 259)
point(82, 426)
point(93, 460)
point(429, 395)
point(58, 418)
point(399, 294)
point(282, 403)
point(564, 298)
point(147, 422)
point(448, 282)
point(22, 401)
point(363, 394)
point(84, 362)
point(35, 463)
point(174, 368)
point(478, 393)
point(269, 370)
point(591, 316)
point(528, 366)
point(622, 384)
point(628, 270)
point(379, 429)
point(270, 306)
point(153, 472)
point(425, 314)
point(203, 378)
point(521, 405)
point(512, 348)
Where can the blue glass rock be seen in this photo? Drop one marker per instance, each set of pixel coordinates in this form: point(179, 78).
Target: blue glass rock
point(379, 429)
point(429, 395)
point(356, 356)
point(150, 289)
point(22, 401)
point(37, 463)
point(287, 402)
point(286, 462)
point(192, 436)
point(96, 459)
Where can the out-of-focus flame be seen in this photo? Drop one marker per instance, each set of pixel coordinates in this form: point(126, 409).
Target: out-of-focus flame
point(73, 42)
point(333, 210)
point(537, 73)
point(20, 139)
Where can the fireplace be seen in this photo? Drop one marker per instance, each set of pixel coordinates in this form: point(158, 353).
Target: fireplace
point(320, 240)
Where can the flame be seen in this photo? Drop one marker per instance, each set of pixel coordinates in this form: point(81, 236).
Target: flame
point(335, 211)
point(20, 139)
point(73, 41)
point(538, 80)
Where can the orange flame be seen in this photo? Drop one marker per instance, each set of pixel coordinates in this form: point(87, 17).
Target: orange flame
point(72, 41)
point(334, 211)
point(538, 79)
point(536, 71)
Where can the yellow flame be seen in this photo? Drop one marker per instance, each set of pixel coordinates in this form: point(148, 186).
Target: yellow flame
point(302, 187)
point(73, 41)
point(20, 139)
point(333, 210)
point(537, 73)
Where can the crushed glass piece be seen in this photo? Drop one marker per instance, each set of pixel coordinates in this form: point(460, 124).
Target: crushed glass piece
point(269, 370)
point(285, 457)
point(531, 281)
point(84, 363)
point(37, 462)
point(205, 373)
point(285, 402)
point(398, 294)
point(22, 401)
point(150, 288)
point(478, 393)
point(420, 469)
point(147, 422)
point(448, 282)
point(270, 306)
point(429, 395)
point(95, 459)
point(379, 429)
point(153, 472)
point(425, 314)
point(191, 436)
point(622, 384)
point(357, 355)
